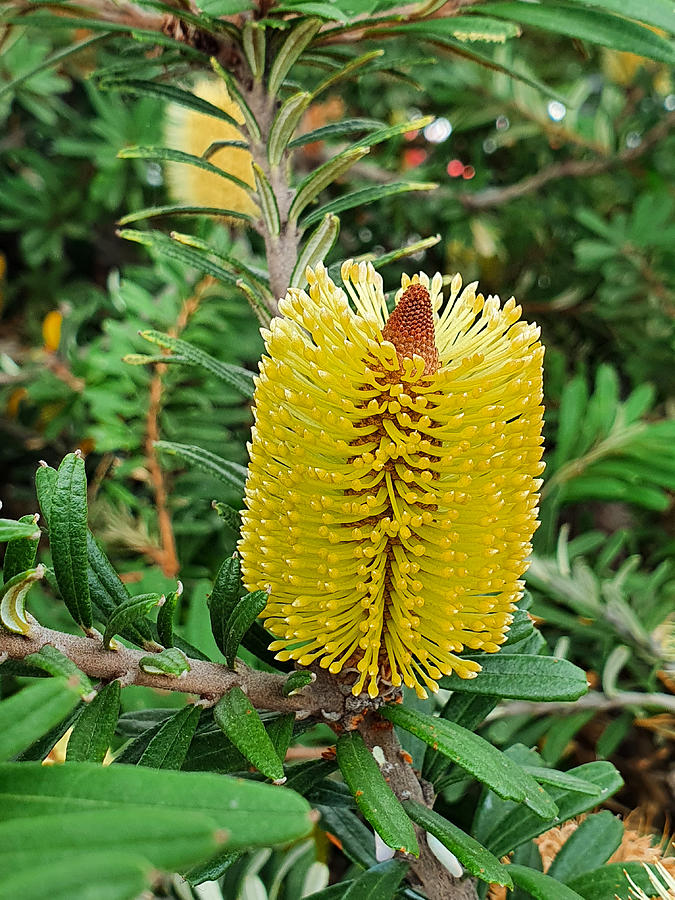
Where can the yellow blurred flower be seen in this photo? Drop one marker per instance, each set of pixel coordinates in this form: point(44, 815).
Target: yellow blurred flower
point(194, 132)
point(392, 486)
point(51, 330)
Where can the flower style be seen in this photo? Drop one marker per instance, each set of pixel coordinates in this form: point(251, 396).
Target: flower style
point(392, 487)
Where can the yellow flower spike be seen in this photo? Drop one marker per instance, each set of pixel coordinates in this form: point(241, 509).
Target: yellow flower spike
point(194, 132)
point(392, 486)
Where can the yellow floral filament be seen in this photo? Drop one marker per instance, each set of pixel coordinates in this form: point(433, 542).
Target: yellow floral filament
point(392, 487)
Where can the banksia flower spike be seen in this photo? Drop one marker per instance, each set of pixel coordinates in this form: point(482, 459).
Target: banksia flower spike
point(193, 132)
point(392, 487)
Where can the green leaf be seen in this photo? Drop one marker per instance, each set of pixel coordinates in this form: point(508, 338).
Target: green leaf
point(165, 154)
point(213, 868)
point(519, 825)
point(315, 249)
point(171, 661)
point(253, 814)
point(107, 593)
point(13, 600)
point(168, 748)
point(251, 124)
point(224, 7)
point(20, 552)
point(223, 599)
point(541, 886)
point(522, 677)
point(267, 201)
point(593, 25)
point(68, 538)
point(11, 530)
point(247, 610)
point(254, 46)
point(230, 516)
point(127, 612)
point(56, 663)
point(28, 714)
point(239, 720)
point(335, 129)
point(284, 124)
point(374, 798)
point(476, 756)
point(50, 61)
point(169, 94)
point(589, 847)
point(472, 855)
point(298, 39)
point(241, 380)
point(45, 485)
point(296, 681)
point(231, 474)
point(320, 178)
point(93, 732)
point(611, 881)
point(561, 779)
point(378, 883)
point(365, 196)
point(153, 212)
point(402, 252)
point(118, 876)
point(280, 730)
point(166, 615)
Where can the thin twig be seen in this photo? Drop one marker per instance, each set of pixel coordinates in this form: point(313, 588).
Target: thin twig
point(571, 168)
point(594, 700)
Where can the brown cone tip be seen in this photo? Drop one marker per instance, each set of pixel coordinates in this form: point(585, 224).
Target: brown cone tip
point(410, 328)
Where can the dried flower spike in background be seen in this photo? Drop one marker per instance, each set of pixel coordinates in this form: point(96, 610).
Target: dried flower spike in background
point(194, 132)
point(392, 488)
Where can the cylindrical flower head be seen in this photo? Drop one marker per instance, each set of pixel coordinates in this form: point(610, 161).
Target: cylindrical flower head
point(392, 487)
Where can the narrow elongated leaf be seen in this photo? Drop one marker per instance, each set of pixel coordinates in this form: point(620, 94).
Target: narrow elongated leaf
point(346, 71)
point(213, 868)
point(28, 714)
point(11, 530)
point(93, 732)
point(378, 883)
point(467, 710)
point(320, 178)
point(107, 592)
point(356, 840)
point(166, 615)
point(125, 875)
point(267, 201)
point(587, 848)
point(56, 663)
point(68, 538)
point(234, 376)
point(132, 609)
point(168, 748)
point(166, 154)
point(230, 516)
point(298, 39)
point(316, 248)
point(374, 798)
point(658, 13)
point(243, 616)
point(520, 825)
point(171, 661)
point(523, 677)
point(168, 93)
point(296, 681)
point(611, 881)
point(155, 212)
point(223, 599)
point(20, 552)
point(280, 730)
point(472, 855)
point(336, 129)
point(253, 814)
point(240, 721)
point(45, 485)
point(51, 61)
point(541, 886)
point(561, 779)
point(250, 122)
point(592, 25)
point(231, 474)
point(232, 263)
point(13, 600)
point(285, 123)
point(476, 756)
point(367, 195)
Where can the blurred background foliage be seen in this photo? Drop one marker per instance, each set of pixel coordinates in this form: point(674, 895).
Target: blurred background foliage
point(563, 197)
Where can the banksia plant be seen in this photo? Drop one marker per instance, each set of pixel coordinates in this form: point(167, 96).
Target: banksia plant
point(392, 487)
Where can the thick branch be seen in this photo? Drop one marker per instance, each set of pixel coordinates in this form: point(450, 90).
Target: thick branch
point(205, 679)
point(572, 168)
point(426, 872)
